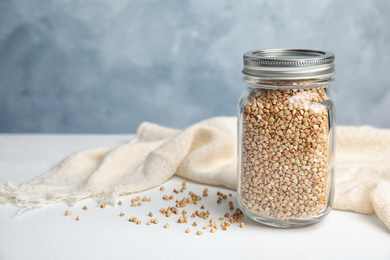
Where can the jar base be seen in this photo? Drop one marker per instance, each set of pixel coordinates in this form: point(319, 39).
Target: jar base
point(290, 223)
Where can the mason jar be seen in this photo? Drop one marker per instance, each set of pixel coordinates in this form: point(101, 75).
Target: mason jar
point(286, 137)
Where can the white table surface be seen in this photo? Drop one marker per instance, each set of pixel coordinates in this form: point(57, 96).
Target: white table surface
point(102, 234)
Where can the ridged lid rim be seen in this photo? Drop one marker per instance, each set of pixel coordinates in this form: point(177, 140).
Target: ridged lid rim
point(288, 63)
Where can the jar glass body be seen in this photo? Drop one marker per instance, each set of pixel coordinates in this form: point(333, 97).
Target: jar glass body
point(285, 151)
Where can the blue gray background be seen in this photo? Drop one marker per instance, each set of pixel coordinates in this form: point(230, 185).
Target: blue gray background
point(97, 66)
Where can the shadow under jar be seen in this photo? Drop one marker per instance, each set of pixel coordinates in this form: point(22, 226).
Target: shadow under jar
point(286, 137)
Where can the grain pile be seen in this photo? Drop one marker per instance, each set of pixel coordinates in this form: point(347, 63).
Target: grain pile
point(284, 160)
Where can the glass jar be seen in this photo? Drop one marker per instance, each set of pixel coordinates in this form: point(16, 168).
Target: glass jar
point(286, 137)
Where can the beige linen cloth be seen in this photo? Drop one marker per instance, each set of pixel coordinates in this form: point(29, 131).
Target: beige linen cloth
point(206, 153)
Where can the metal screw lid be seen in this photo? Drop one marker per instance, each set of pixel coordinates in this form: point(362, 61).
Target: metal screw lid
point(288, 64)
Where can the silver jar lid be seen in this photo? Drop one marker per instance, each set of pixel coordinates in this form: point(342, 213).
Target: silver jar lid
point(288, 64)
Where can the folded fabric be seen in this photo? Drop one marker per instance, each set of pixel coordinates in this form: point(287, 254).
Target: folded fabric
point(204, 152)
point(363, 171)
